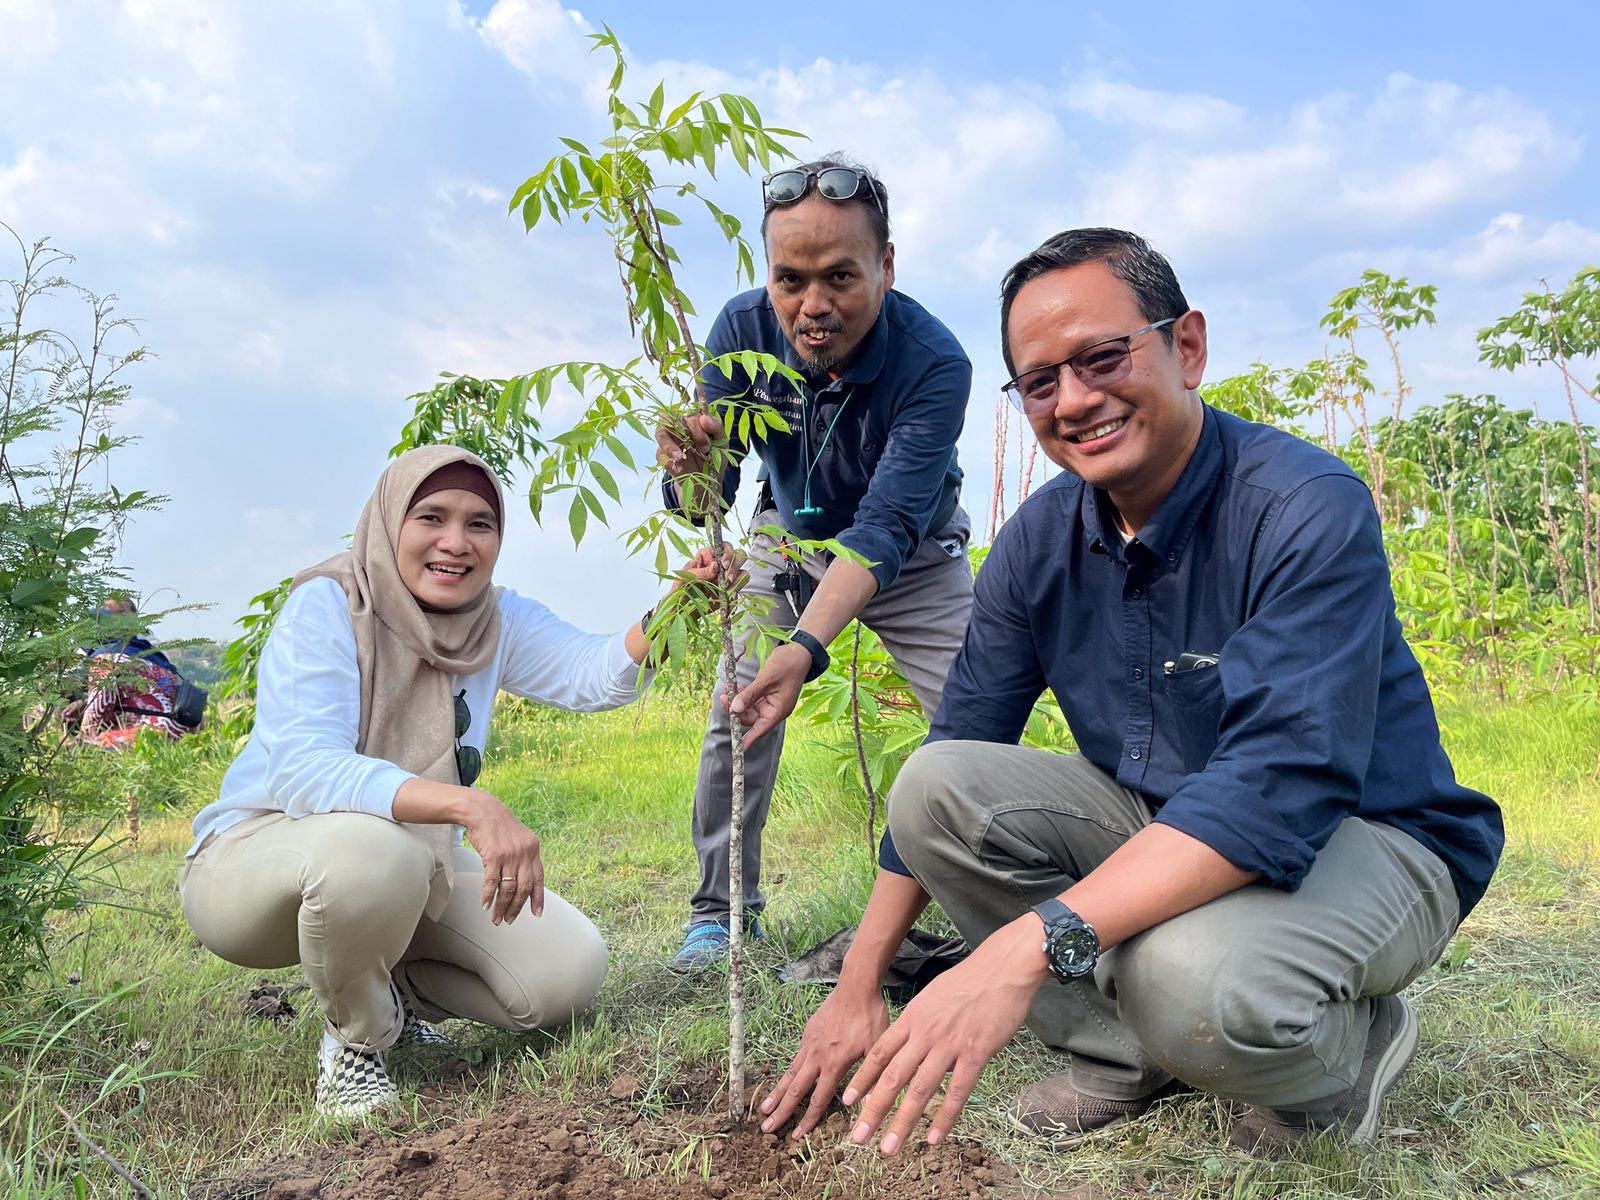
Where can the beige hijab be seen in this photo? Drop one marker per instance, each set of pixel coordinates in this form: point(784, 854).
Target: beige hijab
point(407, 654)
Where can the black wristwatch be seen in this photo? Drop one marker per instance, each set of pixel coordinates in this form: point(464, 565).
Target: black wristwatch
point(1071, 946)
point(819, 653)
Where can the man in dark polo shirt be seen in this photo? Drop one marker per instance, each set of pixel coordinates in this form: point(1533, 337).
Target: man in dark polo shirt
point(870, 459)
point(1260, 841)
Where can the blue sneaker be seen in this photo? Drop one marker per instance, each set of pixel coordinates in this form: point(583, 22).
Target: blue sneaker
point(706, 944)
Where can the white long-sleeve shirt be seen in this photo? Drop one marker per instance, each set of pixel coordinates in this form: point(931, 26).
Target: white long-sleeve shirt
point(301, 758)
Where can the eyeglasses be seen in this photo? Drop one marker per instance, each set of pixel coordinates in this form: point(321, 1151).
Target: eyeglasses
point(1098, 366)
point(469, 762)
point(833, 183)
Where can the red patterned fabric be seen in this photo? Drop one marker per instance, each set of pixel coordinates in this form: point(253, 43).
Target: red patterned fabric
point(127, 694)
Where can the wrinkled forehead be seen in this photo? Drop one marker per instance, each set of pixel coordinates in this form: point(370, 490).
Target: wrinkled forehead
point(818, 229)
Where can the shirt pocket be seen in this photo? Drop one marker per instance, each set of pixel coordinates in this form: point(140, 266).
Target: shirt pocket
point(1194, 699)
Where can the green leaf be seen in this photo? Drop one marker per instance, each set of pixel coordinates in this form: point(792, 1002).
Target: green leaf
point(573, 144)
point(570, 180)
point(33, 591)
point(678, 113)
point(577, 519)
point(603, 477)
point(79, 540)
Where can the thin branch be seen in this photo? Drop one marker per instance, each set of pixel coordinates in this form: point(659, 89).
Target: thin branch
point(861, 750)
point(128, 1177)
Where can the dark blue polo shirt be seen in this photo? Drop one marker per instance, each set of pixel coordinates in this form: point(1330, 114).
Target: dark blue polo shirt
point(886, 477)
point(1267, 554)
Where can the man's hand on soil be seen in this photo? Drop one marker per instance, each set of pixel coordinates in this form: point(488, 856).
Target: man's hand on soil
point(837, 1036)
point(954, 1027)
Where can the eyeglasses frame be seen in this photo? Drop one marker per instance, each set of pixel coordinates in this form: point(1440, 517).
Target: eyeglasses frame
point(1013, 392)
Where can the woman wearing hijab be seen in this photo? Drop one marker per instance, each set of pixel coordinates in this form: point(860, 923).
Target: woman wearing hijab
point(335, 843)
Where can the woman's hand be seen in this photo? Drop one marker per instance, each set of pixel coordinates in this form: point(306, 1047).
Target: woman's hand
point(702, 569)
point(513, 876)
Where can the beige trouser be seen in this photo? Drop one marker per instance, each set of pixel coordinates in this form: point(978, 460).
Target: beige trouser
point(1262, 995)
point(342, 894)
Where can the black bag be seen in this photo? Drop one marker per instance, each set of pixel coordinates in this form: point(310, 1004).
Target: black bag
point(189, 706)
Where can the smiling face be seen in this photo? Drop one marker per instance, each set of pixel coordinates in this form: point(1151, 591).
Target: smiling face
point(1133, 438)
point(826, 277)
point(448, 544)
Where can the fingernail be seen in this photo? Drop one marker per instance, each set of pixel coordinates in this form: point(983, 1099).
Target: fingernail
point(766, 1105)
point(935, 1136)
point(890, 1144)
point(849, 1096)
point(860, 1133)
point(766, 1126)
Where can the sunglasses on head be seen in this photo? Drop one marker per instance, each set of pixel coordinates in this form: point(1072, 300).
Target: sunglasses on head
point(469, 762)
point(833, 183)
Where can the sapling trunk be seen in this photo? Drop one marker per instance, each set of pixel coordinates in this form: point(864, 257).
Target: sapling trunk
point(725, 614)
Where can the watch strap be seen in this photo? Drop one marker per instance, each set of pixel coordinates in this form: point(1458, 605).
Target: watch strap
point(820, 658)
point(1052, 911)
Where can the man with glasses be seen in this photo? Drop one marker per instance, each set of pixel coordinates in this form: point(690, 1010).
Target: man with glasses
point(1259, 842)
point(869, 459)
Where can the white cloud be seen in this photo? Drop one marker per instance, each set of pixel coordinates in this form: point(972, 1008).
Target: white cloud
point(1185, 114)
point(1333, 168)
point(548, 42)
point(1520, 249)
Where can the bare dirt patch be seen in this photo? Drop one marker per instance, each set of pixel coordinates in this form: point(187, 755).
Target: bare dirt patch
point(599, 1148)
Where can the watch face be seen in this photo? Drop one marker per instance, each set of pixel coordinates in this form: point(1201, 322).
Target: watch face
point(1073, 950)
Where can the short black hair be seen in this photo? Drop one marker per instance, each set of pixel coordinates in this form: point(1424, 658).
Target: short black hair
point(1126, 255)
point(877, 212)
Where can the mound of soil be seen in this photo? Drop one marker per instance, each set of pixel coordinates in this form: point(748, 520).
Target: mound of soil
point(599, 1148)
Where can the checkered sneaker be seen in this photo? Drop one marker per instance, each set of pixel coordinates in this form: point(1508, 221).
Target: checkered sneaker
point(417, 1034)
point(351, 1083)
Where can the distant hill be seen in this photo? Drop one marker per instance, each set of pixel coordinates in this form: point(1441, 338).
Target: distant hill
point(200, 662)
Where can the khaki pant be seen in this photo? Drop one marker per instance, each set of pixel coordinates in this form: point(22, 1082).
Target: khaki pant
point(921, 618)
point(1259, 996)
point(342, 894)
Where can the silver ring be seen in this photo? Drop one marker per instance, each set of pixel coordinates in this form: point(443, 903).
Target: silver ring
point(508, 879)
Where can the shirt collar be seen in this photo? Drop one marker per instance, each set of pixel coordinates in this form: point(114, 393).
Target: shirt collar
point(1167, 532)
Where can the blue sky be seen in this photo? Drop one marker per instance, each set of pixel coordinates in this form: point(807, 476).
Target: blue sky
point(305, 205)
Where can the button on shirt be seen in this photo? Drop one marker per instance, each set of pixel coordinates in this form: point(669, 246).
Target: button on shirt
point(879, 443)
point(1268, 555)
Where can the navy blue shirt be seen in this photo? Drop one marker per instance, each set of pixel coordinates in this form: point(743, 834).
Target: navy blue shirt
point(1267, 554)
point(886, 475)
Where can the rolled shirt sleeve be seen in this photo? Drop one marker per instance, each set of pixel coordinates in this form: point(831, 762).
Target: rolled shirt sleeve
point(1300, 684)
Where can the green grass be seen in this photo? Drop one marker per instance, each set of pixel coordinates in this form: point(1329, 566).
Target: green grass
point(1508, 1080)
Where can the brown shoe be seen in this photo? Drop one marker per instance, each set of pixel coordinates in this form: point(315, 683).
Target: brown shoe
point(1391, 1045)
point(1059, 1115)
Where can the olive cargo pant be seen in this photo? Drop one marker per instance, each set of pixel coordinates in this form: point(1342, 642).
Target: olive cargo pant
point(342, 894)
point(1260, 996)
point(921, 618)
